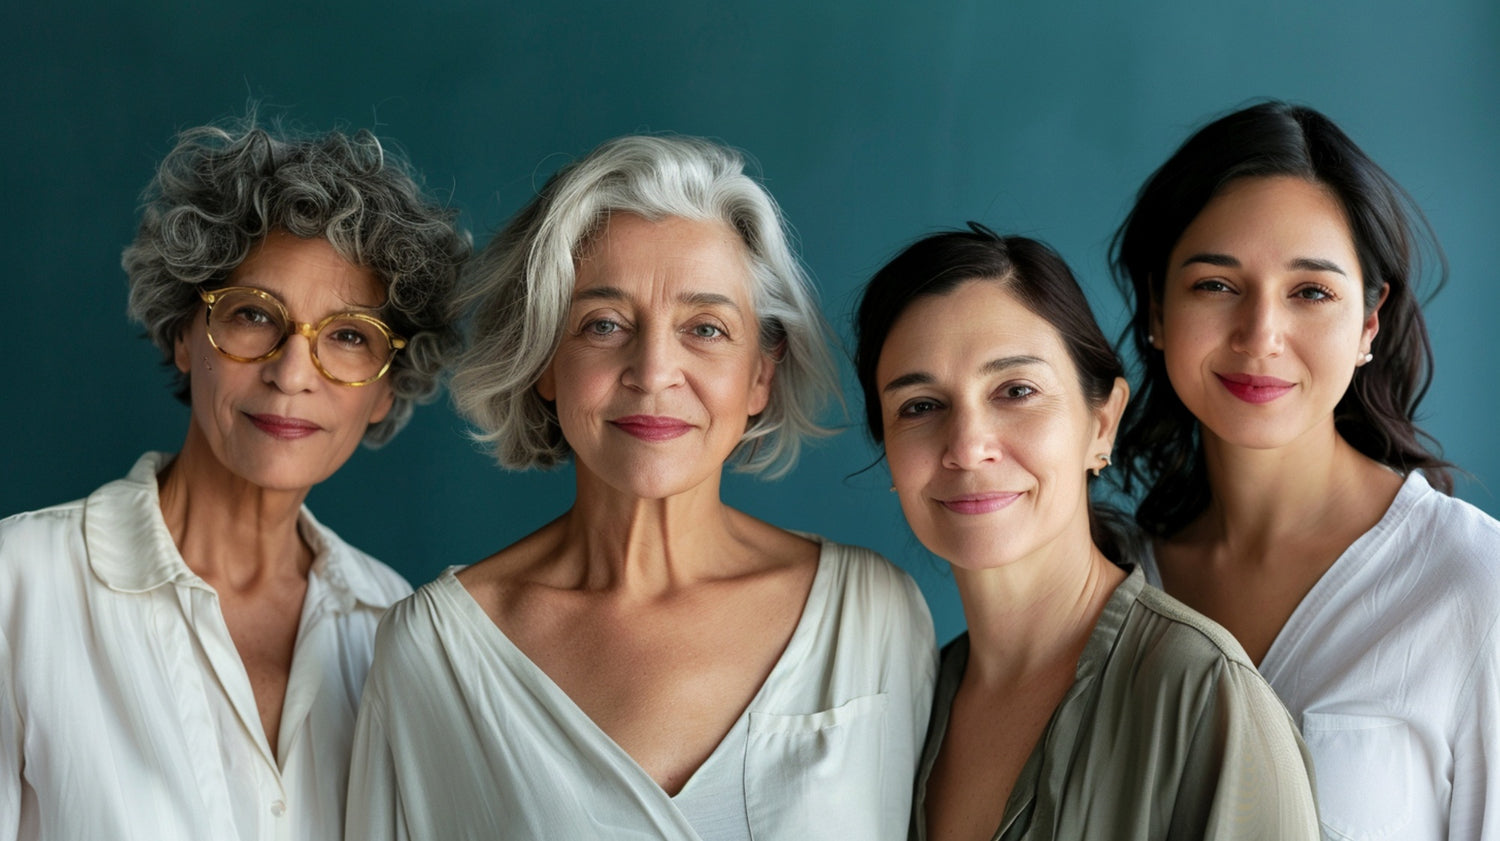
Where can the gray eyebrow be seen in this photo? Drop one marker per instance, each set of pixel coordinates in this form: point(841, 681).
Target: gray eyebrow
point(614, 293)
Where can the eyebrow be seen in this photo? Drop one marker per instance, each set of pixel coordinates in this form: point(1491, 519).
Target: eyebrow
point(700, 299)
point(994, 366)
point(352, 306)
point(1304, 264)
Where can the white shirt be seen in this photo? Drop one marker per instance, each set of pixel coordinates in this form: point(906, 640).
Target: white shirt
point(462, 737)
point(125, 711)
point(1391, 666)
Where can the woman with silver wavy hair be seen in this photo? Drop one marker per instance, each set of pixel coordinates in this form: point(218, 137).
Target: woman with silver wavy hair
point(652, 663)
point(182, 651)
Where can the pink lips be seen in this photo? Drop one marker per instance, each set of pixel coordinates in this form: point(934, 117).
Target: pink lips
point(652, 427)
point(1252, 389)
point(982, 503)
point(287, 429)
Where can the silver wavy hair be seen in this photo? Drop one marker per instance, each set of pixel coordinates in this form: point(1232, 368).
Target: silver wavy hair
point(521, 286)
point(221, 190)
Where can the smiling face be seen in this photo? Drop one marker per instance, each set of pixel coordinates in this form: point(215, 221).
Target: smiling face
point(280, 424)
point(1262, 319)
point(987, 431)
point(660, 367)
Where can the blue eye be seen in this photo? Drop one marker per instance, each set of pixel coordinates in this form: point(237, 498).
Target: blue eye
point(706, 331)
point(601, 327)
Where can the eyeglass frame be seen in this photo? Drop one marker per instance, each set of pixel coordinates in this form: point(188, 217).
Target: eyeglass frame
point(305, 329)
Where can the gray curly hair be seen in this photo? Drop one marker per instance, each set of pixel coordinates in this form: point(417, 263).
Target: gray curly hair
point(221, 190)
point(521, 285)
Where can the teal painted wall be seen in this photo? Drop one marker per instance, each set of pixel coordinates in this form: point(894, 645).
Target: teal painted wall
point(872, 121)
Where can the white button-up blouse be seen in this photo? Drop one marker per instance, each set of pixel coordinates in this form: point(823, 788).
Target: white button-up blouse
point(125, 711)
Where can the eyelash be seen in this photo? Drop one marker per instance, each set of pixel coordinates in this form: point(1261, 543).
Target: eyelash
point(915, 407)
point(1325, 294)
point(590, 329)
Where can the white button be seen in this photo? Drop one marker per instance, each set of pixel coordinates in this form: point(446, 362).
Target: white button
point(278, 808)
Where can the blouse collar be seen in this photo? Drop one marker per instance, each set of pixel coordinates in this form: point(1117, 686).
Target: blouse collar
point(131, 550)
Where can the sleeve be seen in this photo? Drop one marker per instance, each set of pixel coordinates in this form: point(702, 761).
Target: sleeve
point(10, 748)
point(914, 671)
point(374, 811)
point(1247, 773)
point(1476, 746)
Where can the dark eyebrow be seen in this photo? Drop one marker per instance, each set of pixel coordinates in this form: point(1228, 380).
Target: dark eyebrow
point(1303, 264)
point(994, 366)
point(1221, 260)
point(698, 299)
point(1313, 264)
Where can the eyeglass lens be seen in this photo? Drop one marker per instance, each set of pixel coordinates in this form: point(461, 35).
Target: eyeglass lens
point(348, 348)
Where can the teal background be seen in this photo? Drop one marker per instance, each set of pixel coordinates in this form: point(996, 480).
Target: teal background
point(872, 122)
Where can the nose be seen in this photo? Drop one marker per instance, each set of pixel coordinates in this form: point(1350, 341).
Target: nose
point(1259, 328)
point(292, 370)
point(972, 440)
point(655, 363)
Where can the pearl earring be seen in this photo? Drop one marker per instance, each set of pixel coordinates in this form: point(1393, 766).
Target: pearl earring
point(1366, 358)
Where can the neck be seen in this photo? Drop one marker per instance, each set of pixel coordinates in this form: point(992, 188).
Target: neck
point(1037, 612)
point(622, 542)
point(1264, 497)
point(228, 530)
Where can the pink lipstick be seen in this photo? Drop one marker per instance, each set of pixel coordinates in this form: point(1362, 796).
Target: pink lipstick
point(287, 429)
point(1252, 389)
point(982, 503)
point(652, 427)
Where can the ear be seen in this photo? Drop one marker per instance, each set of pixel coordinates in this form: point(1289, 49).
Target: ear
point(760, 385)
point(181, 356)
point(1372, 321)
point(1107, 422)
point(384, 402)
point(546, 384)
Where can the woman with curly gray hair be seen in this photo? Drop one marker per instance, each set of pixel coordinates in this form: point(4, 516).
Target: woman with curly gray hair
point(181, 652)
point(652, 663)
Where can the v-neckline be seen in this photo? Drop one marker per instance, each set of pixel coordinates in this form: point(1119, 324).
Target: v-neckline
point(1332, 580)
point(791, 657)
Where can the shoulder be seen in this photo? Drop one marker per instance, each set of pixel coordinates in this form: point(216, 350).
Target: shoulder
point(41, 549)
point(1168, 653)
point(31, 530)
point(868, 579)
point(1435, 524)
point(346, 567)
point(1173, 625)
point(1440, 554)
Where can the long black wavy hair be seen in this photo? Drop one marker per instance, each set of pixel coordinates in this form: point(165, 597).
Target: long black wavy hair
point(1159, 444)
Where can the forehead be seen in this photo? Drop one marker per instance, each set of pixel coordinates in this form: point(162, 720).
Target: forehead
point(643, 257)
point(961, 331)
point(1273, 214)
point(308, 272)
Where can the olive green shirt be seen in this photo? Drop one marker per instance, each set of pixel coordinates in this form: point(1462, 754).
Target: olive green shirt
point(1168, 732)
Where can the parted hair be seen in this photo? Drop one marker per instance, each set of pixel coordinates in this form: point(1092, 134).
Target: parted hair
point(520, 287)
point(223, 189)
point(1159, 445)
point(1040, 280)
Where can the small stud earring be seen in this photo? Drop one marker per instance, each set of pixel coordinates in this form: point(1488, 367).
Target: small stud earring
point(1366, 358)
point(893, 488)
point(1151, 339)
